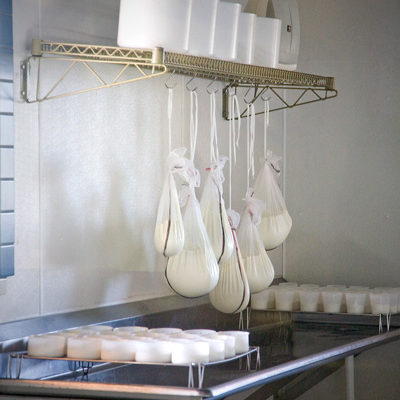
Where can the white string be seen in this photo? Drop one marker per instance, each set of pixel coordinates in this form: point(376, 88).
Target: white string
point(248, 145)
point(194, 119)
point(266, 125)
point(235, 107)
point(231, 132)
point(170, 101)
point(214, 152)
point(252, 136)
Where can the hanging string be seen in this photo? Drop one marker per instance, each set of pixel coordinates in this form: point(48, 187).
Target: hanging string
point(251, 128)
point(266, 125)
point(170, 101)
point(248, 145)
point(235, 107)
point(214, 152)
point(231, 130)
point(194, 119)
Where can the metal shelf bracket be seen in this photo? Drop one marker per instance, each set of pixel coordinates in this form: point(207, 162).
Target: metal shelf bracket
point(155, 62)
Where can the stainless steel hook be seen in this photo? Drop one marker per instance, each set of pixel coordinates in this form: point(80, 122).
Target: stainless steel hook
point(245, 96)
point(168, 85)
point(210, 85)
point(189, 82)
point(263, 98)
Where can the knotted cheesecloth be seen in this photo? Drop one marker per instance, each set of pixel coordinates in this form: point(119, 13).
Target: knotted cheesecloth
point(258, 266)
point(276, 222)
point(169, 234)
point(212, 203)
point(232, 293)
point(194, 271)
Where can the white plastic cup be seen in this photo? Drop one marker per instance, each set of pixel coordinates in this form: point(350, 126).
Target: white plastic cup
point(394, 297)
point(263, 300)
point(332, 300)
point(355, 301)
point(245, 38)
point(241, 340)
point(226, 31)
point(285, 298)
point(380, 301)
point(309, 299)
point(154, 23)
point(267, 41)
point(203, 15)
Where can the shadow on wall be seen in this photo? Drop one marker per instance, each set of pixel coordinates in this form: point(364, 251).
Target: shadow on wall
point(334, 259)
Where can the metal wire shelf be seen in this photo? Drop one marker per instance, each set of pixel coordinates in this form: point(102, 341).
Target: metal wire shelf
point(85, 365)
point(151, 63)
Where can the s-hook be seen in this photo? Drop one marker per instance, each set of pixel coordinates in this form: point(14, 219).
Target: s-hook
point(209, 91)
point(169, 84)
point(191, 89)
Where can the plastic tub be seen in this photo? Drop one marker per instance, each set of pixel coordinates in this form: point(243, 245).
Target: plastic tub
point(226, 31)
point(118, 348)
point(380, 301)
point(245, 38)
point(332, 300)
point(309, 299)
point(267, 40)
point(84, 347)
point(285, 297)
point(154, 23)
point(229, 342)
point(355, 301)
point(263, 300)
point(153, 350)
point(203, 16)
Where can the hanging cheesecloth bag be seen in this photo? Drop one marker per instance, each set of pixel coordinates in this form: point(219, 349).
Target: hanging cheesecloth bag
point(258, 266)
point(212, 203)
point(169, 234)
point(232, 293)
point(194, 271)
point(276, 222)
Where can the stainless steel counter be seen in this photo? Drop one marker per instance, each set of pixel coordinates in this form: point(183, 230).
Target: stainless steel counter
point(288, 347)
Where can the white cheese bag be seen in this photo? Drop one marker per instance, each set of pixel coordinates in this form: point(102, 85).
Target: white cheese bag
point(276, 222)
point(194, 271)
point(258, 266)
point(212, 203)
point(169, 234)
point(232, 293)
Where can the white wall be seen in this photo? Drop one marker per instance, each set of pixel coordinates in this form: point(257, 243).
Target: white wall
point(89, 171)
point(343, 157)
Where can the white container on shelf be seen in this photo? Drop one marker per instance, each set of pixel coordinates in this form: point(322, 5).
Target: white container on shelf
point(267, 40)
point(285, 297)
point(203, 15)
point(226, 31)
point(263, 300)
point(154, 23)
point(380, 301)
point(332, 300)
point(355, 301)
point(241, 340)
point(245, 38)
point(309, 299)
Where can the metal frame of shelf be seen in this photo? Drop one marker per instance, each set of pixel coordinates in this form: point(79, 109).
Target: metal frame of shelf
point(155, 62)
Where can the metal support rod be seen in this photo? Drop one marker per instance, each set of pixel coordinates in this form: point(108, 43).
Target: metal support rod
point(349, 367)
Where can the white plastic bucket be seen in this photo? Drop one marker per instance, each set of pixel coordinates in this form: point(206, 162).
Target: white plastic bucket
point(267, 40)
point(154, 23)
point(226, 30)
point(245, 38)
point(203, 15)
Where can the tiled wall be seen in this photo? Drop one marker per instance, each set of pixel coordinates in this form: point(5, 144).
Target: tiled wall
point(6, 141)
